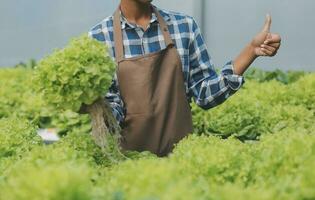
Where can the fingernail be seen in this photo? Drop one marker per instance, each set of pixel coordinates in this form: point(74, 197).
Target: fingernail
point(266, 41)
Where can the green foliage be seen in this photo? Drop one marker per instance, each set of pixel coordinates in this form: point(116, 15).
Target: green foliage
point(66, 169)
point(18, 100)
point(278, 75)
point(280, 166)
point(275, 158)
point(85, 146)
point(69, 121)
point(16, 97)
point(54, 181)
point(149, 179)
point(29, 64)
point(261, 108)
point(240, 117)
point(303, 92)
point(207, 167)
point(79, 73)
point(17, 137)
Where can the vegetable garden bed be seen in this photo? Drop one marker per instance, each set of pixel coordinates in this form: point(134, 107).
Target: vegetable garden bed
point(259, 144)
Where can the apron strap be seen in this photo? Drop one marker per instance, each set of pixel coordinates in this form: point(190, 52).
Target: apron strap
point(164, 28)
point(118, 37)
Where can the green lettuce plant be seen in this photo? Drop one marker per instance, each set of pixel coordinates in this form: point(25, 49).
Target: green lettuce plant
point(77, 78)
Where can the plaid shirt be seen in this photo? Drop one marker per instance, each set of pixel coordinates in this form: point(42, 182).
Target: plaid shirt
point(202, 83)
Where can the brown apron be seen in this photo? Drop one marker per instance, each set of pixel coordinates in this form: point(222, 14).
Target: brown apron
point(152, 88)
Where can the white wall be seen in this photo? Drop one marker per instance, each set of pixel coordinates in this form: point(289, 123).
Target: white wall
point(32, 29)
point(232, 24)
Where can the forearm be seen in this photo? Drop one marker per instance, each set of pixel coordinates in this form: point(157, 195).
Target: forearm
point(244, 59)
point(215, 88)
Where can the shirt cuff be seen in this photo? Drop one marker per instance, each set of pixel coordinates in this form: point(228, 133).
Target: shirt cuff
point(233, 80)
point(118, 113)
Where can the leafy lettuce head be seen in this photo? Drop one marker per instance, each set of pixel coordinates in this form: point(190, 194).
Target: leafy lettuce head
point(79, 73)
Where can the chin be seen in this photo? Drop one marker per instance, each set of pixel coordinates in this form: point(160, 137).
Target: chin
point(144, 1)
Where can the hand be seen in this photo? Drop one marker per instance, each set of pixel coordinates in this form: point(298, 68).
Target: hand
point(83, 109)
point(266, 43)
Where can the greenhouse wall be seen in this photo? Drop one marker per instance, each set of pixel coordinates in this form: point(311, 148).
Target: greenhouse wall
point(32, 29)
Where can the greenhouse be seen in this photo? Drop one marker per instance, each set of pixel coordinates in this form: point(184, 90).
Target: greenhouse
point(131, 103)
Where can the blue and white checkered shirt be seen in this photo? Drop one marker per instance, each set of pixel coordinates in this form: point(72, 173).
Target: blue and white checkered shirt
point(202, 83)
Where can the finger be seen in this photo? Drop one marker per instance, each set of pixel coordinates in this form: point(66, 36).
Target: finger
point(274, 38)
point(275, 45)
point(268, 47)
point(267, 52)
point(83, 109)
point(261, 53)
point(267, 24)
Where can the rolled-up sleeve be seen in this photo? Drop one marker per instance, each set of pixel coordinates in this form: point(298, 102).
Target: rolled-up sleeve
point(114, 99)
point(207, 87)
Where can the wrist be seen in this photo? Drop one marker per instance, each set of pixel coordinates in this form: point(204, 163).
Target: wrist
point(252, 51)
point(245, 58)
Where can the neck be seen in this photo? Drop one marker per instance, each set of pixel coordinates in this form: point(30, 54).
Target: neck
point(136, 11)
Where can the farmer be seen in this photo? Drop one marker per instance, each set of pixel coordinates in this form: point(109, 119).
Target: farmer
point(162, 62)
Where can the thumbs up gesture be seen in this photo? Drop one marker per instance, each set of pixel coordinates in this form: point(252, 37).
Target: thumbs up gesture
point(266, 43)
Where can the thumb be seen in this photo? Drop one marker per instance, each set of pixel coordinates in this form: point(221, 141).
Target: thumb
point(267, 25)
